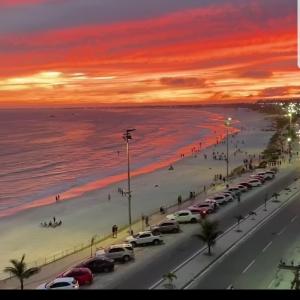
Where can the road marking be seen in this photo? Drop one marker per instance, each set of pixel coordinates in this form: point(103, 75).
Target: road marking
point(269, 244)
point(249, 266)
point(271, 283)
point(282, 231)
point(207, 269)
point(294, 219)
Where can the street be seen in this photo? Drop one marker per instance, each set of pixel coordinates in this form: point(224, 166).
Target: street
point(253, 264)
point(143, 274)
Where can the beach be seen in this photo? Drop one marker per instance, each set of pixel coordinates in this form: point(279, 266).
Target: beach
point(90, 212)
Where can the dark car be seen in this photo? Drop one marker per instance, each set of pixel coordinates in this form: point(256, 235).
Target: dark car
point(246, 184)
point(98, 264)
point(166, 227)
point(82, 275)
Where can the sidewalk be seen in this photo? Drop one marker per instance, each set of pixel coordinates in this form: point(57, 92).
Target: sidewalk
point(199, 263)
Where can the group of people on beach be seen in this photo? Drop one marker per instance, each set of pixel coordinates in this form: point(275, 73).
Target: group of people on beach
point(57, 198)
point(121, 191)
point(53, 223)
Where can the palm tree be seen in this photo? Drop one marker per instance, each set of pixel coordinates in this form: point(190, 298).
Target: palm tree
point(239, 218)
point(170, 277)
point(276, 195)
point(20, 270)
point(209, 233)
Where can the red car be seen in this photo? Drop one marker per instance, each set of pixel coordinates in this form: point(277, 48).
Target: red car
point(203, 211)
point(82, 275)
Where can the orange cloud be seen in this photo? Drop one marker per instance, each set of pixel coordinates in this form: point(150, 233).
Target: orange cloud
point(193, 55)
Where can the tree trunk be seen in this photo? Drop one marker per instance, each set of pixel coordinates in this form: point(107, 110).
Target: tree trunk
point(209, 251)
point(22, 283)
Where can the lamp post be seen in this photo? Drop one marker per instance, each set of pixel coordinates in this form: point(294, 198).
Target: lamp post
point(127, 136)
point(227, 123)
point(289, 140)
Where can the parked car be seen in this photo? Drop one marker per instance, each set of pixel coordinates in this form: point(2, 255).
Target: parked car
point(165, 227)
point(197, 210)
point(212, 202)
point(267, 175)
point(98, 264)
point(234, 190)
point(255, 182)
point(246, 184)
point(66, 283)
point(208, 208)
point(82, 275)
point(227, 197)
point(119, 252)
point(255, 176)
point(184, 216)
point(144, 238)
point(242, 188)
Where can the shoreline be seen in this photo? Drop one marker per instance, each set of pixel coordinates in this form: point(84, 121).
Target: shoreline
point(209, 140)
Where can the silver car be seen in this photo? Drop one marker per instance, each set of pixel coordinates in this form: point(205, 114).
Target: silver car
point(120, 252)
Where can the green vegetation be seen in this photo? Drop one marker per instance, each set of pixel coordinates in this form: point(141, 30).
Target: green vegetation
point(19, 269)
point(209, 233)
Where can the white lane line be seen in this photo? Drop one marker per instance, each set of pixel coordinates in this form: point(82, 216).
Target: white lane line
point(249, 266)
point(282, 231)
point(271, 284)
point(269, 244)
point(294, 219)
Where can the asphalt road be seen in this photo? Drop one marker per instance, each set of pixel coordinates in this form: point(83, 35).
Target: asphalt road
point(149, 272)
point(253, 264)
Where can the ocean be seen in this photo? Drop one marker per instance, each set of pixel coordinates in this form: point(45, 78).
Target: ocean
point(45, 152)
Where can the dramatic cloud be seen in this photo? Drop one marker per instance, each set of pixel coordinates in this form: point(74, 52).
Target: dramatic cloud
point(256, 74)
point(147, 50)
point(182, 82)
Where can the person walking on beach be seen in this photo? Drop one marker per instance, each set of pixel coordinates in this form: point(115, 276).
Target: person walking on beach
point(115, 231)
point(108, 197)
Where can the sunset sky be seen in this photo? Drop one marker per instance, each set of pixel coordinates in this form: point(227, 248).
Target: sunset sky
point(90, 52)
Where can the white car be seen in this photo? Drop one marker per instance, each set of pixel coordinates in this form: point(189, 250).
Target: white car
point(255, 182)
point(228, 197)
point(268, 175)
point(184, 216)
point(68, 283)
point(221, 199)
point(143, 238)
point(212, 202)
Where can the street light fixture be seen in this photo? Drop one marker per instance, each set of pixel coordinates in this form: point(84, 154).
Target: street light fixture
point(227, 123)
point(127, 136)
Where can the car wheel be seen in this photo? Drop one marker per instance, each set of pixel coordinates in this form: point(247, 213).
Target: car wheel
point(106, 269)
point(126, 258)
point(193, 220)
point(134, 244)
point(176, 230)
point(155, 242)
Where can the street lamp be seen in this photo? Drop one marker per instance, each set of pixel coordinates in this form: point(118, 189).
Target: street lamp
point(227, 123)
point(127, 136)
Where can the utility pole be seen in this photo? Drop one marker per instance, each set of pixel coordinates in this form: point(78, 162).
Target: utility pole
point(127, 136)
point(227, 123)
point(295, 284)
